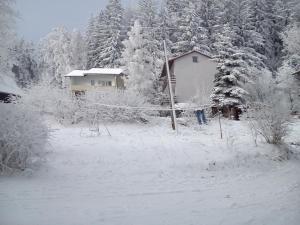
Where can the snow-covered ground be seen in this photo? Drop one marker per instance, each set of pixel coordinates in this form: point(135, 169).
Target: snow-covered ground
point(149, 175)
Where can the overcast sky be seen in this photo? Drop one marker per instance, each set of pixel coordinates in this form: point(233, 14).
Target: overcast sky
point(38, 17)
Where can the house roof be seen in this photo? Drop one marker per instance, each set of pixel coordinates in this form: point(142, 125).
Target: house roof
point(187, 53)
point(95, 71)
point(76, 73)
point(8, 85)
point(172, 60)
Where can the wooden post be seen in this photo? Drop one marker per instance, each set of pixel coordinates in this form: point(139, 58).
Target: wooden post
point(173, 116)
point(221, 132)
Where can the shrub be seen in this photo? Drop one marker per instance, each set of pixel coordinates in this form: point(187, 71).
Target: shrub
point(269, 110)
point(23, 136)
point(51, 100)
point(113, 106)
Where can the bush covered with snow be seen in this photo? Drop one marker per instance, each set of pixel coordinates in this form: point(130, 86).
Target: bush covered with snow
point(23, 136)
point(113, 106)
point(269, 110)
point(49, 99)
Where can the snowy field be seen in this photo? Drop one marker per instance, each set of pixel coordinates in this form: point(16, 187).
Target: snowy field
point(149, 175)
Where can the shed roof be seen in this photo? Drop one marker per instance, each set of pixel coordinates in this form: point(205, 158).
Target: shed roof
point(95, 71)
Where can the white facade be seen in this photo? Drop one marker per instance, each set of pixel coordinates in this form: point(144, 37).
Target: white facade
point(96, 79)
point(192, 76)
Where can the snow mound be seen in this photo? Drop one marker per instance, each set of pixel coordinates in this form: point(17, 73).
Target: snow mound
point(9, 85)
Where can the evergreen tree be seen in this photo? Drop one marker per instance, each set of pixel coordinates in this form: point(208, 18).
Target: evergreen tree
point(7, 21)
point(232, 73)
point(60, 52)
point(91, 42)
point(138, 62)
point(151, 33)
point(25, 65)
point(209, 14)
point(78, 50)
point(111, 49)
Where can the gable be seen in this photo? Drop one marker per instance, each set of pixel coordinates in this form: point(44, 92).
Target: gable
point(185, 56)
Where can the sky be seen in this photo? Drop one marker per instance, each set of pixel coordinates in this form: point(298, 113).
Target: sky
point(38, 17)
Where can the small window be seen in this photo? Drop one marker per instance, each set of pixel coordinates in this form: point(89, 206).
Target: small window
point(109, 83)
point(195, 59)
point(92, 82)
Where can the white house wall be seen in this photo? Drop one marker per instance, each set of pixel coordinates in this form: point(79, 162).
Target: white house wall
point(84, 83)
point(194, 79)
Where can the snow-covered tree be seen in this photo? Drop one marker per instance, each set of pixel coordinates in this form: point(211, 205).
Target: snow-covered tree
point(291, 64)
point(148, 15)
point(268, 109)
point(24, 65)
point(97, 34)
point(55, 57)
point(187, 31)
point(96, 108)
point(23, 136)
point(231, 74)
point(59, 53)
point(78, 48)
point(209, 14)
point(138, 62)
point(7, 22)
point(111, 49)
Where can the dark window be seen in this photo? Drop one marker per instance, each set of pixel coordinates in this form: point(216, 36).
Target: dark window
point(92, 82)
point(195, 59)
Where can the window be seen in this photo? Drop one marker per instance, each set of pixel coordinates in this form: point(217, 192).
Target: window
point(195, 59)
point(104, 83)
point(92, 82)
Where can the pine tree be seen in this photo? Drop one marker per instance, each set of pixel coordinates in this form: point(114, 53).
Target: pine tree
point(188, 25)
point(151, 33)
point(78, 49)
point(111, 49)
point(25, 65)
point(138, 62)
point(228, 90)
point(91, 42)
point(209, 18)
point(7, 21)
point(268, 18)
point(54, 56)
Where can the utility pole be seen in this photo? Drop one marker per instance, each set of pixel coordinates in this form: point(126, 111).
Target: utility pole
point(173, 114)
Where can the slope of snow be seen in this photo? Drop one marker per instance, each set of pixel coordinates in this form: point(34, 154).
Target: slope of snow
point(148, 175)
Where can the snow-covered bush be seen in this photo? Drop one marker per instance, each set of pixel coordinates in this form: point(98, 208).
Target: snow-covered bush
point(49, 99)
point(268, 110)
point(23, 136)
point(108, 106)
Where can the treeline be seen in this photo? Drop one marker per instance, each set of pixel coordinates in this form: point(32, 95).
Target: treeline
point(247, 37)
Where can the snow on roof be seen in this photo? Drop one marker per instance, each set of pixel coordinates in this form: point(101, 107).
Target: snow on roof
point(95, 71)
point(76, 73)
point(8, 85)
point(116, 71)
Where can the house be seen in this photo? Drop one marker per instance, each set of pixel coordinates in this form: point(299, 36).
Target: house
point(96, 79)
point(8, 89)
point(192, 75)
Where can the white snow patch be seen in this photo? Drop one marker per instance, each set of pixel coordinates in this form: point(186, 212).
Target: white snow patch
point(8, 85)
point(95, 71)
point(149, 175)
